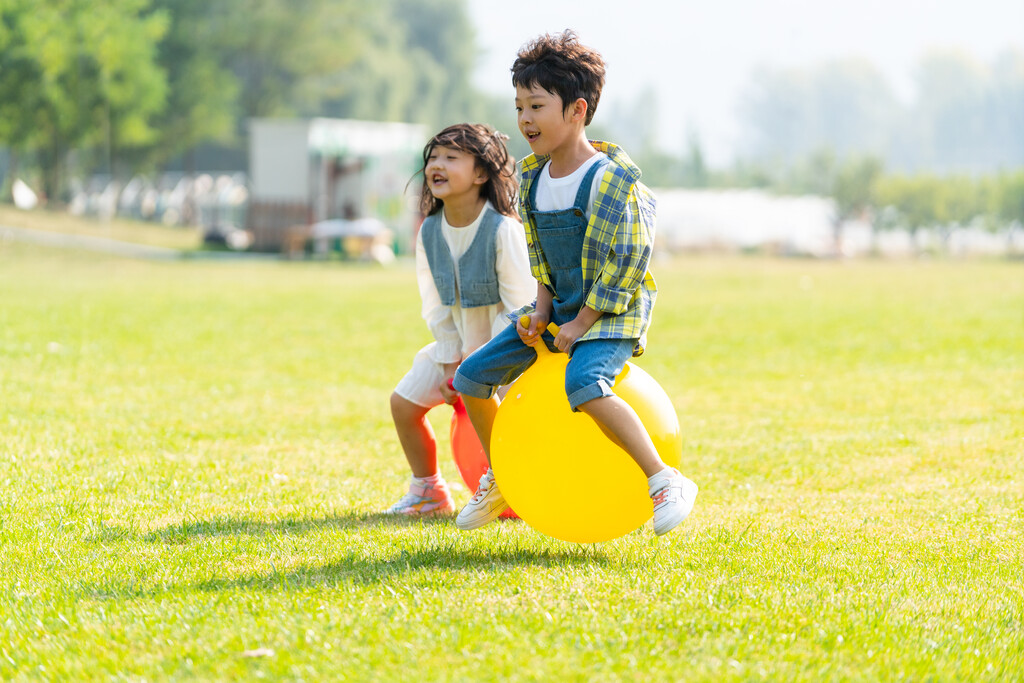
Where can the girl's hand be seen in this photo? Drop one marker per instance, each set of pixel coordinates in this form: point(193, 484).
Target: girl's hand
point(531, 335)
point(448, 392)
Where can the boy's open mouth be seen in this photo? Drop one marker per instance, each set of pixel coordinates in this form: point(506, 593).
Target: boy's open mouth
point(532, 136)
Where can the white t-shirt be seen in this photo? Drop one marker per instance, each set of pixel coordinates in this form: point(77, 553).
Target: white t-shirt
point(555, 194)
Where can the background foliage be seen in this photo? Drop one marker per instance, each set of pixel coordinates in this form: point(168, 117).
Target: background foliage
point(132, 86)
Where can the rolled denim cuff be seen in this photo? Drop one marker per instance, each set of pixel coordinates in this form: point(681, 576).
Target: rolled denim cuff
point(464, 385)
point(598, 389)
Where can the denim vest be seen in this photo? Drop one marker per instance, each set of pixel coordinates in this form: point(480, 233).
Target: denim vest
point(478, 273)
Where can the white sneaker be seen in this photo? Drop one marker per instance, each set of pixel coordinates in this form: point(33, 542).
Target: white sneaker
point(673, 499)
point(424, 501)
point(485, 506)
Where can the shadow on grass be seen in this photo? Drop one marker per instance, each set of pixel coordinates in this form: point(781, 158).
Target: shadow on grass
point(191, 530)
point(422, 561)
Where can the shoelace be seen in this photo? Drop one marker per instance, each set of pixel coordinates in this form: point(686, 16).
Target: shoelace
point(661, 496)
point(481, 491)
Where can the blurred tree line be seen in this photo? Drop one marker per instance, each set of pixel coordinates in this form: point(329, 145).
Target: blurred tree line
point(125, 86)
point(953, 156)
point(962, 117)
point(128, 86)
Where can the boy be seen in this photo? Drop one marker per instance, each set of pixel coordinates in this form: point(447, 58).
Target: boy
point(589, 231)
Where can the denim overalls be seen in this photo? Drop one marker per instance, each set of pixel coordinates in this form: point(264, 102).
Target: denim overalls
point(560, 234)
point(593, 364)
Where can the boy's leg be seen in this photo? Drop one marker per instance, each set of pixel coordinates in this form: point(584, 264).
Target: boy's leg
point(481, 413)
point(622, 425)
point(497, 363)
point(588, 381)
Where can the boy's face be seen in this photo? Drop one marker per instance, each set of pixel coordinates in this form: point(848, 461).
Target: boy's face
point(543, 121)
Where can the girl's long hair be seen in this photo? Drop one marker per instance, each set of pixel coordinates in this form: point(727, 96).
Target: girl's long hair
point(488, 148)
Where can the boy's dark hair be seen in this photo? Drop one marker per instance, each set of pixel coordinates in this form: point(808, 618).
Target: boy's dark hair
point(488, 149)
point(563, 67)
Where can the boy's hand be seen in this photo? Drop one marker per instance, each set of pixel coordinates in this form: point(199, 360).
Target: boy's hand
point(569, 333)
point(531, 335)
point(576, 328)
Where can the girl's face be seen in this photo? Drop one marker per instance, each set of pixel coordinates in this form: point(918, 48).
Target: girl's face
point(453, 175)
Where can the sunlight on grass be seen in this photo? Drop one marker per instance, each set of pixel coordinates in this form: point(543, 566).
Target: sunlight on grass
point(122, 229)
point(194, 458)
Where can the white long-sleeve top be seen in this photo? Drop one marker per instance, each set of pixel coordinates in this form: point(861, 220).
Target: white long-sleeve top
point(460, 331)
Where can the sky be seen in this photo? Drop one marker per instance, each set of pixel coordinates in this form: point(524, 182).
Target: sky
point(699, 55)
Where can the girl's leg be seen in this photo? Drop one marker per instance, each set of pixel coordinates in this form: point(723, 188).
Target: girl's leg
point(416, 436)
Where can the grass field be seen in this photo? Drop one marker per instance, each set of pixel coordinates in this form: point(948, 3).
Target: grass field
point(194, 455)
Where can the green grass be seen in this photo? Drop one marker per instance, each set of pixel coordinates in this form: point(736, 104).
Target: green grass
point(193, 457)
point(122, 229)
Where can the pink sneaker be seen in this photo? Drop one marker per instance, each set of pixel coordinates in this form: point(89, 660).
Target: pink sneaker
point(424, 501)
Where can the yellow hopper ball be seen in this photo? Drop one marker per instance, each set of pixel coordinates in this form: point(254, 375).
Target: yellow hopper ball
point(559, 471)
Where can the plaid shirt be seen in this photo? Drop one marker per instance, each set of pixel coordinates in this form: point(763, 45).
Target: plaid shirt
point(616, 248)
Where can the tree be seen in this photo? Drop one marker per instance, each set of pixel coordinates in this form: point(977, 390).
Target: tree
point(910, 199)
point(949, 111)
point(285, 52)
point(940, 203)
point(854, 191)
point(416, 66)
point(80, 75)
point(843, 105)
point(202, 92)
point(1004, 110)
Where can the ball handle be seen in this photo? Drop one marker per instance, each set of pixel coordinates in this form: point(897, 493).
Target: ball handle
point(541, 347)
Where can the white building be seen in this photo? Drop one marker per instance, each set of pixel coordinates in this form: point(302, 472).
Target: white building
point(304, 171)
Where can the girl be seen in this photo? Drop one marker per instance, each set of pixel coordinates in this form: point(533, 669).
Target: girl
point(473, 269)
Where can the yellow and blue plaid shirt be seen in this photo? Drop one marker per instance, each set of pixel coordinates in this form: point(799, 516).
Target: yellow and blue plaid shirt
point(616, 248)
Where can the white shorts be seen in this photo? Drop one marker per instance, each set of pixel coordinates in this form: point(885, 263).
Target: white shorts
point(420, 384)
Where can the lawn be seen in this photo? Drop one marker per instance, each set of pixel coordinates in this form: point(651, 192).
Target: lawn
point(194, 456)
point(118, 228)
